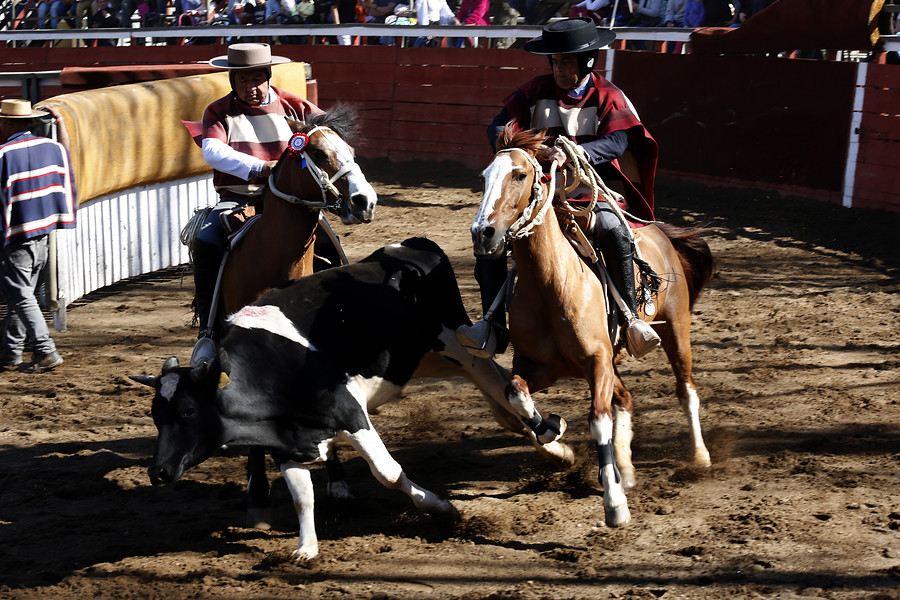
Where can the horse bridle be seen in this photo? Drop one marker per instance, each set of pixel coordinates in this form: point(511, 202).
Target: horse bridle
point(525, 224)
point(324, 181)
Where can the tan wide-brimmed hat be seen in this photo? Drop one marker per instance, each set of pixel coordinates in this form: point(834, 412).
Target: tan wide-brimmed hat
point(247, 56)
point(13, 108)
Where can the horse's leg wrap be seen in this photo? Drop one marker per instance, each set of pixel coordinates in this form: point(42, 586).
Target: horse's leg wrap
point(545, 430)
point(607, 457)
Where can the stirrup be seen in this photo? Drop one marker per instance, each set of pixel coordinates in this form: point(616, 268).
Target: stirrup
point(204, 350)
point(640, 338)
point(479, 339)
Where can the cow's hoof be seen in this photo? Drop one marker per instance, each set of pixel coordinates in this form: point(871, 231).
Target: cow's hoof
point(444, 510)
point(618, 516)
point(259, 518)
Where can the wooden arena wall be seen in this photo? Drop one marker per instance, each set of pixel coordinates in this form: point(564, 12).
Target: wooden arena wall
point(814, 128)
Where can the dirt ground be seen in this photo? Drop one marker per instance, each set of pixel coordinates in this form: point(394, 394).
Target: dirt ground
point(796, 354)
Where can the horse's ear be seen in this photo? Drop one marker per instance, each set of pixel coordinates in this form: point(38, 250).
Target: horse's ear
point(294, 124)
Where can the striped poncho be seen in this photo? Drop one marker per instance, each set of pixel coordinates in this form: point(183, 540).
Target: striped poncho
point(37, 188)
point(602, 110)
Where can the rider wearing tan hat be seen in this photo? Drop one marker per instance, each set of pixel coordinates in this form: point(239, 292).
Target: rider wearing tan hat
point(37, 196)
point(243, 135)
point(574, 101)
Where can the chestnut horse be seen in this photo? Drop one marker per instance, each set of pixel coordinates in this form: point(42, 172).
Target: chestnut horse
point(322, 176)
point(557, 313)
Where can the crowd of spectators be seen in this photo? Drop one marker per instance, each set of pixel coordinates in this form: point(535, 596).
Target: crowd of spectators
point(52, 14)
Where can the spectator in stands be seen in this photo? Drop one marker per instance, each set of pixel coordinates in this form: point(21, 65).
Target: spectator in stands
point(596, 10)
point(378, 11)
point(337, 12)
point(694, 13)
point(575, 101)
point(649, 13)
point(104, 18)
point(674, 14)
point(241, 164)
point(51, 13)
point(527, 9)
point(433, 12)
point(674, 18)
point(84, 10)
point(473, 12)
point(719, 13)
point(130, 6)
point(37, 196)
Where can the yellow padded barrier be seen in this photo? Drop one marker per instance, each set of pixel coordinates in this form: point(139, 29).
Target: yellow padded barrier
point(131, 135)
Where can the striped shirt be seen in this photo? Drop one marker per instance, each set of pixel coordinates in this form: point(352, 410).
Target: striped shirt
point(37, 188)
point(259, 131)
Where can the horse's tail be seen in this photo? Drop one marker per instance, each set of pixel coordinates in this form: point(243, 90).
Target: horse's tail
point(696, 257)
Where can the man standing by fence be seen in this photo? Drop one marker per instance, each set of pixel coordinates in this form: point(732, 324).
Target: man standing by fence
point(37, 195)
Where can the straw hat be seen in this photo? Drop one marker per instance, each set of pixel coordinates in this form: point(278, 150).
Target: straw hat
point(570, 36)
point(247, 56)
point(13, 108)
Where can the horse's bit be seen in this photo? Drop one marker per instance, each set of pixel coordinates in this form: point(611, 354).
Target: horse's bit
point(325, 183)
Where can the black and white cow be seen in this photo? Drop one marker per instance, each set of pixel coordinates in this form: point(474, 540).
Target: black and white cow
point(301, 367)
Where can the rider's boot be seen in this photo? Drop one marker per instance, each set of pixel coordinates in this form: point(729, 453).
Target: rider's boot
point(488, 336)
point(207, 259)
point(618, 252)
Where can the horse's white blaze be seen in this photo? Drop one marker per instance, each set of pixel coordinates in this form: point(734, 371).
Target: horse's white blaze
point(271, 319)
point(167, 385)
point(359, 186)
point(300, 485)
point(495, 176)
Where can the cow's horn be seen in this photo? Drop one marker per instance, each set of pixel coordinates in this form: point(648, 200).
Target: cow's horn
point(145, 379)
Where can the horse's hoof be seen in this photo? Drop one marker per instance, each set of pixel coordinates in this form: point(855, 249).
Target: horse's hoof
point(628, 477)
point(559, 454)
point(556, 428)
point(701, 459)
point(618, 516)
point(259, 518)
point(304, 554)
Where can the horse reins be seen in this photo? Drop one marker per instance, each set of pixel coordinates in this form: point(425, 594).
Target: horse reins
point(324, 181)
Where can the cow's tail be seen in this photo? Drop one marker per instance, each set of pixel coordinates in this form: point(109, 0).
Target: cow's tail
point(694, 253)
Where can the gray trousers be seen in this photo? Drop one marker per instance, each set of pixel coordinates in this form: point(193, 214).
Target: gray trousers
point(20, 265)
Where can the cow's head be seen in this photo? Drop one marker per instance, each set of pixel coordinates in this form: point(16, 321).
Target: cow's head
point(185, 415)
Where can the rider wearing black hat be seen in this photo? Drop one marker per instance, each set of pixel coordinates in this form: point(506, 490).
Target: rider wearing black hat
point(575, 101)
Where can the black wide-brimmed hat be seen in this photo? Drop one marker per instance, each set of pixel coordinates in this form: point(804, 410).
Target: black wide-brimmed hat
point(570, 36)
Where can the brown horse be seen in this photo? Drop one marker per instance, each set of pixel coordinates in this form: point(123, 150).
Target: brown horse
point(323, 176)
point(558, 316)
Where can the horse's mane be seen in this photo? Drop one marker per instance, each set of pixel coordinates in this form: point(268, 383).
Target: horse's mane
point(343, 119)
point(529, 139)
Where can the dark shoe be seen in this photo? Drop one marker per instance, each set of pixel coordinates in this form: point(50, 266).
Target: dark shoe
point(10, 359)
point(43, 362)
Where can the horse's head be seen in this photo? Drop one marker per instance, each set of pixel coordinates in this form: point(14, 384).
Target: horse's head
point(329, 176)
point(510, 182)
